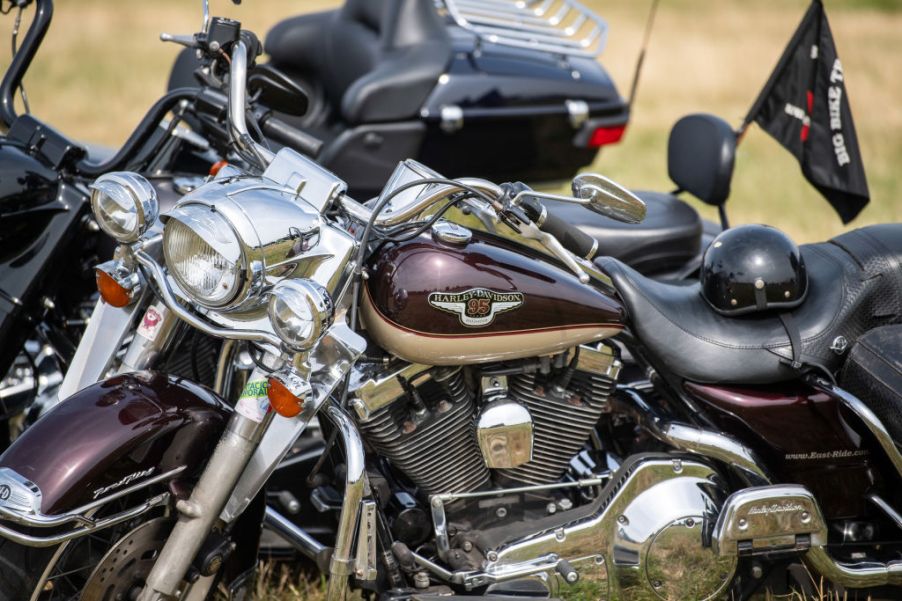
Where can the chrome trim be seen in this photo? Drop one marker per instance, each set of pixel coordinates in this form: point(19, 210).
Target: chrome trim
point(696, 440)
point(312, 182)
point(382, 389)
point(869, 418)
point(365, 562)
point(155, 273)
point(127, 278)
point(113, 520)
point(888, 509)
point(452, 118)
point(296, 536)
point(563, 27)
point(716, 446)
point(854, 575)
point(28, 513)
point(606, 197)
point(238, 106)
point(764, 519)
point(328, 364)
point(504, 427)
point(147, 207)
point(437, 503)
point(451, 233)
point(298, 297)
point(341, 565)
point(578, 111)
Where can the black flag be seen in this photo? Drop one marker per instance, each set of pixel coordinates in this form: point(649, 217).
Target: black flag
point(805, 108)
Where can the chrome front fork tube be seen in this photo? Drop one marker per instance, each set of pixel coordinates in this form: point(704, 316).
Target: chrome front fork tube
point(151, 337)
point(198, 514)
point(342, 565)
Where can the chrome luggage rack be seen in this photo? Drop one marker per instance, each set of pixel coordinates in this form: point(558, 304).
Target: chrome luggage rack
point(557, 26)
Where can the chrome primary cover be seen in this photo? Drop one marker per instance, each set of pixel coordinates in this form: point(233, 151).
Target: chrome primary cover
point(648, 538)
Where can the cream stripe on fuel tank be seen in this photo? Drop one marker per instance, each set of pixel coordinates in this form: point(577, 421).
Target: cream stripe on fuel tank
point(436, 349)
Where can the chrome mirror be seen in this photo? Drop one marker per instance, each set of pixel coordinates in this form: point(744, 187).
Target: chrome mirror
point(608, 198)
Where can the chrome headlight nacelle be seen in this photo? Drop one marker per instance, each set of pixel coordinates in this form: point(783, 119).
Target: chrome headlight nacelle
point(125, 205)
point(228, 239)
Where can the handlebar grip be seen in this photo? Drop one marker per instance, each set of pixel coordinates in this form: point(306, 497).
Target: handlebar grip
point(571, 237)
point(290, 136)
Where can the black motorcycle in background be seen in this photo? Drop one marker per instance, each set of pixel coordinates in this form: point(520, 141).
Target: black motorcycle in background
point(48, 237)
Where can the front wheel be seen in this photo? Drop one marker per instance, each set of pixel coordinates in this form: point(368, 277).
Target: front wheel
point(111, 564)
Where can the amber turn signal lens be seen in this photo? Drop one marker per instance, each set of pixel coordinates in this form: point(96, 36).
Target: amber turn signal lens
point(110, 290)
point(215, 167)
point(282, 400)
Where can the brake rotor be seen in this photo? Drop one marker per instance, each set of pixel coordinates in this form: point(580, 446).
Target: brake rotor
point(122, 572)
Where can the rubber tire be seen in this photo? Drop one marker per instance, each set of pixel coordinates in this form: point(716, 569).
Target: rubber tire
point(20, 568)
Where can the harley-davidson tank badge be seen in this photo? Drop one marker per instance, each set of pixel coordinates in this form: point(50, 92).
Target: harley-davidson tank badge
point(477, 307)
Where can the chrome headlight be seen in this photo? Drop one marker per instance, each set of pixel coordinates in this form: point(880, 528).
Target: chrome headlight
point(300, 312)
point(204, 255)
point(124, 204)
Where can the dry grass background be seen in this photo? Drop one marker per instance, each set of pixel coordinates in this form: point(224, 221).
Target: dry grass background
point(102, 66)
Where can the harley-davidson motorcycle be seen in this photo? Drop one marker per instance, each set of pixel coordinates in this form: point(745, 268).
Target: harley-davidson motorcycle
point(52, 239)
point(464, 363)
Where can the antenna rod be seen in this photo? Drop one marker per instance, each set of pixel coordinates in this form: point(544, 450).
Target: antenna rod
point(641, 60)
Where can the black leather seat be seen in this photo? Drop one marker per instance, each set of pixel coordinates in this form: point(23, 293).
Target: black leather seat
point(855, 284)
point(668, 238)
point(377, 60)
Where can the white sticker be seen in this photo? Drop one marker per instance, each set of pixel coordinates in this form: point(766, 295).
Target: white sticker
point(152, 322)
point(253, 402)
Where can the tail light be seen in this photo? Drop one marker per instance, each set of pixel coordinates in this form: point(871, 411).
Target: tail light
point(606, 134)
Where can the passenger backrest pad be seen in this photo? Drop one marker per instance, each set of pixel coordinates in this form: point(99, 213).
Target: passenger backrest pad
point(700, 156)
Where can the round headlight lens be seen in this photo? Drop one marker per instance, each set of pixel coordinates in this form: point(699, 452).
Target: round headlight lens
point(203, 254)
point(124, 204)
point(300, 312)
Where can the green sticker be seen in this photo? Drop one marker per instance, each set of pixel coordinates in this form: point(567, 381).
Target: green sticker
point(255, 389)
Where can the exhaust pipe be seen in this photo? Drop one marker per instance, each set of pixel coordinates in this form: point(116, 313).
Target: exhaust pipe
point(864, 574)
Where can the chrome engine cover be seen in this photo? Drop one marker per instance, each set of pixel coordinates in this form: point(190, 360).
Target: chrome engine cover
point(647, 537)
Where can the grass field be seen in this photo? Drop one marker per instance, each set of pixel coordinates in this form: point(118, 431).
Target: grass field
point(102, 66)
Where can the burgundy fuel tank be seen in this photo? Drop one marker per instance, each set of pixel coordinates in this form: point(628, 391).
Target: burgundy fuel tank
point(439, 303)
point(114, 433)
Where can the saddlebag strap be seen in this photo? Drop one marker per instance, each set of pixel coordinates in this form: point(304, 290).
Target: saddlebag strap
point(795, 341)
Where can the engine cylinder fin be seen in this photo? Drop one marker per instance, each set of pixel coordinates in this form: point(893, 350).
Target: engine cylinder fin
point(438, 450)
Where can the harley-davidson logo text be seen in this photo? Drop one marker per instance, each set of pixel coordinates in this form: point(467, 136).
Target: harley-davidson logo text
point(775, 508)
point(477, 307)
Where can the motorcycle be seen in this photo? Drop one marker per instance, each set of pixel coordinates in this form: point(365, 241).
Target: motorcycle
point(515, 95)
point(464, 365)
point(48, 290)
point(50, 238)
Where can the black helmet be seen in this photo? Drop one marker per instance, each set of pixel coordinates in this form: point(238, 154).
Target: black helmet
point(753, 268)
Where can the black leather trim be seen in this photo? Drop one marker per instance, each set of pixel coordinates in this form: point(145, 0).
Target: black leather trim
point(377, 59)
point(668, 238)
point(683, 333)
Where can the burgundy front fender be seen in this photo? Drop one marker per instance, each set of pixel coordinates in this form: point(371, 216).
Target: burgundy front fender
point(116, 433)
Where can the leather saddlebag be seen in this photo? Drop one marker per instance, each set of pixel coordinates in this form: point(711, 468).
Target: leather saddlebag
point(873, 373)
